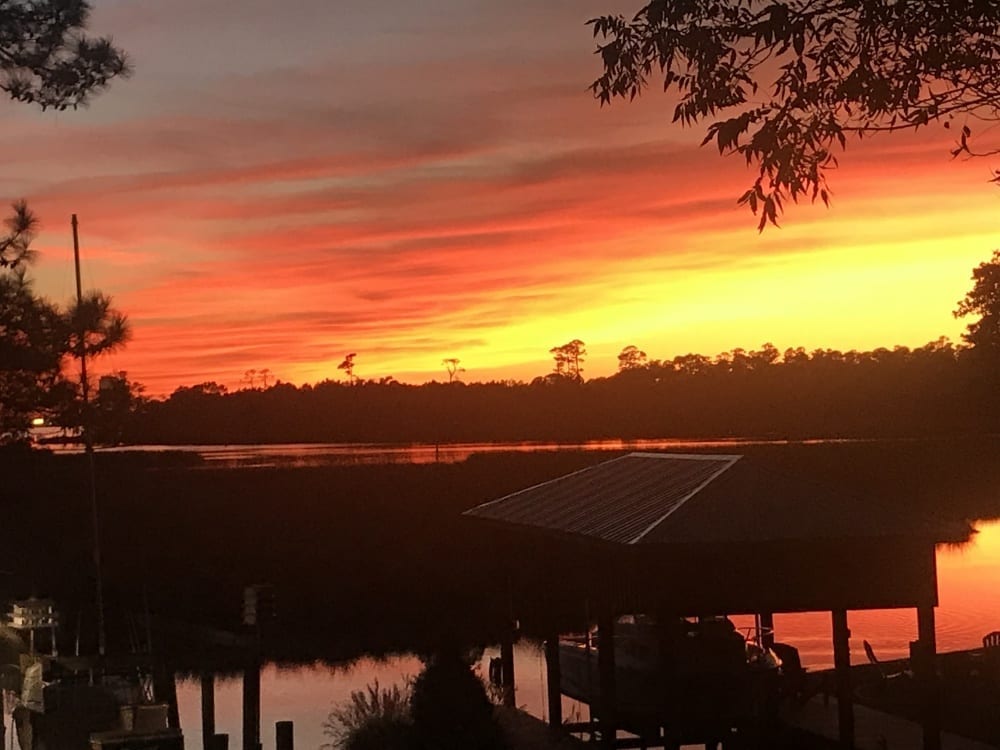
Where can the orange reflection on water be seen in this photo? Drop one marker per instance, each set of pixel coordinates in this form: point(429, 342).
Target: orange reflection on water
point(969, 589)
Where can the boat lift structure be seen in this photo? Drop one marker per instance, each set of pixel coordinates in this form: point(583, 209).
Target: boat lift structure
point(689, 535)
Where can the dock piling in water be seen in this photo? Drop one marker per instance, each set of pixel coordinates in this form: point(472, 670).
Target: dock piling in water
point(284, 735)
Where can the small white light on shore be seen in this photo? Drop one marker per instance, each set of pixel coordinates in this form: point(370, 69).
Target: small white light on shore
point(38, 422)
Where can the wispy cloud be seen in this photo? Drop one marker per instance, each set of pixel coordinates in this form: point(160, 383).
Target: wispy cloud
point(282, 183)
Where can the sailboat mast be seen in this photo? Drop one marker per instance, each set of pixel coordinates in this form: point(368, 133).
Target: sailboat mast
point(88, 444)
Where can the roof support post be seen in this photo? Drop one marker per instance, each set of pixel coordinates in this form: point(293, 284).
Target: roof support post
point(251, 703)
point(842, 669)
point(607, 704)
point(207, 709)
point(767, 630)
point(554, 679)
point(923, 661)
point(507, 665)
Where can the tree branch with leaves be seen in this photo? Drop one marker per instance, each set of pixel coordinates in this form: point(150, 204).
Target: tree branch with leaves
point(786, 84)
point(45, 57)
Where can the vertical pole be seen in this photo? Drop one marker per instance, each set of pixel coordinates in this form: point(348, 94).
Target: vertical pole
point(284, 735)
point(607, 716)
point(220, 742)
point(554, 678)
point(173, 713)
point(251, 704)
point(88, 444)
point(842, 668)
point(507, 666)
point(207, 709)
point(767, 630)
point(925, 668)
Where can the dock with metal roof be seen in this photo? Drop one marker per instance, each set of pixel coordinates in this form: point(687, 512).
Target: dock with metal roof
point(712, 534)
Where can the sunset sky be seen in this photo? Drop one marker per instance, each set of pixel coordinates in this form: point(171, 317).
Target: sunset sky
point(282, 183)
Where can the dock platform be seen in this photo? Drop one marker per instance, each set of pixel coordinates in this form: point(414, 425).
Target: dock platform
point(525, 732)
point(874, 730)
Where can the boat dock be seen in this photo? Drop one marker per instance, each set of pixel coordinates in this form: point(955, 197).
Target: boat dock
point(524, 732)
point(873, 729)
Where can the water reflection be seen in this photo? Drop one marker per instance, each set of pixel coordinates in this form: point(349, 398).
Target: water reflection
point(301, 694)
point(968, 581)
point(327, 454)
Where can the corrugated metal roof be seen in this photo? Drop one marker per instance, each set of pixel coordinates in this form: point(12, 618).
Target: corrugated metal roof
point(621, 500)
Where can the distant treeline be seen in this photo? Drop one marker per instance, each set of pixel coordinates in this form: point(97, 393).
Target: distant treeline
point(936, 389)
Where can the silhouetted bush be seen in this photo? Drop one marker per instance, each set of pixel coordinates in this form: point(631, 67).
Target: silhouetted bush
point(450, 708)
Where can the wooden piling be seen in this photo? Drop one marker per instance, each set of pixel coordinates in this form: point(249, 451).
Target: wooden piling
point(607, 708)
point(207, 710)
point(507, 666)
point(767, 629)
point(284, 735)
point(842, 668)
point(251, 705)
point(925, 671)
point(219, 742)
point(165, 690)
point(554, 679)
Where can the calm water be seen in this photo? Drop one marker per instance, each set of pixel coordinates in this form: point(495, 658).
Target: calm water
point(968, 584)
point(320, 454)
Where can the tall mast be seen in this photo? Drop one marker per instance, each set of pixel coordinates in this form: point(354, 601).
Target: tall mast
point(88, 444)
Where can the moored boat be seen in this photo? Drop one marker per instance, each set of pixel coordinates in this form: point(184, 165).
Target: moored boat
point(698, 677)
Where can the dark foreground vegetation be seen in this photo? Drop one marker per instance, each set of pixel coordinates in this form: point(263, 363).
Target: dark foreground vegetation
point(938, 389)
point(364, 559)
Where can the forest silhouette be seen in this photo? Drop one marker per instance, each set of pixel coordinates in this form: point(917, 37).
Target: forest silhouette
point(936, 389)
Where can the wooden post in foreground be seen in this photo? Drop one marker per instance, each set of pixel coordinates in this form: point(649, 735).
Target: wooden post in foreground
point(207, 710)
point(842, 669)
point(767, 630)
point(607, 709)
point(507, 665)
point(251, 704)
point(924, 666)
point(554, 678)
point(284, 735)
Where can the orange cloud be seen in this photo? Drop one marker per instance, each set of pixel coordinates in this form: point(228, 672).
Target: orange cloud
point(413, 185)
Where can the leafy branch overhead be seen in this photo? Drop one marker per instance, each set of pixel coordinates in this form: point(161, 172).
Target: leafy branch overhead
point(785, 84)
point(46, 59)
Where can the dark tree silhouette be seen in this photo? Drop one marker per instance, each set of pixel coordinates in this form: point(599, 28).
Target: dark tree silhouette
point(787, 82)
point(631, 358)
point(451, 365)
point(15, 246)
point(983, 300)
point(116, 402)
point(37, 338)
point(33, 342)
point(46, 59)
point(33, 332)
point(569, 359)
point(348, 366)
point(96, 328)
point(937, 389)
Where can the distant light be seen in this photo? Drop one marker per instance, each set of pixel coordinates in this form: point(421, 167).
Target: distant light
point(38, 422)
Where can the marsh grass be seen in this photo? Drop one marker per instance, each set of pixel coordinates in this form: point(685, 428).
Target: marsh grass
point(374, 717)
